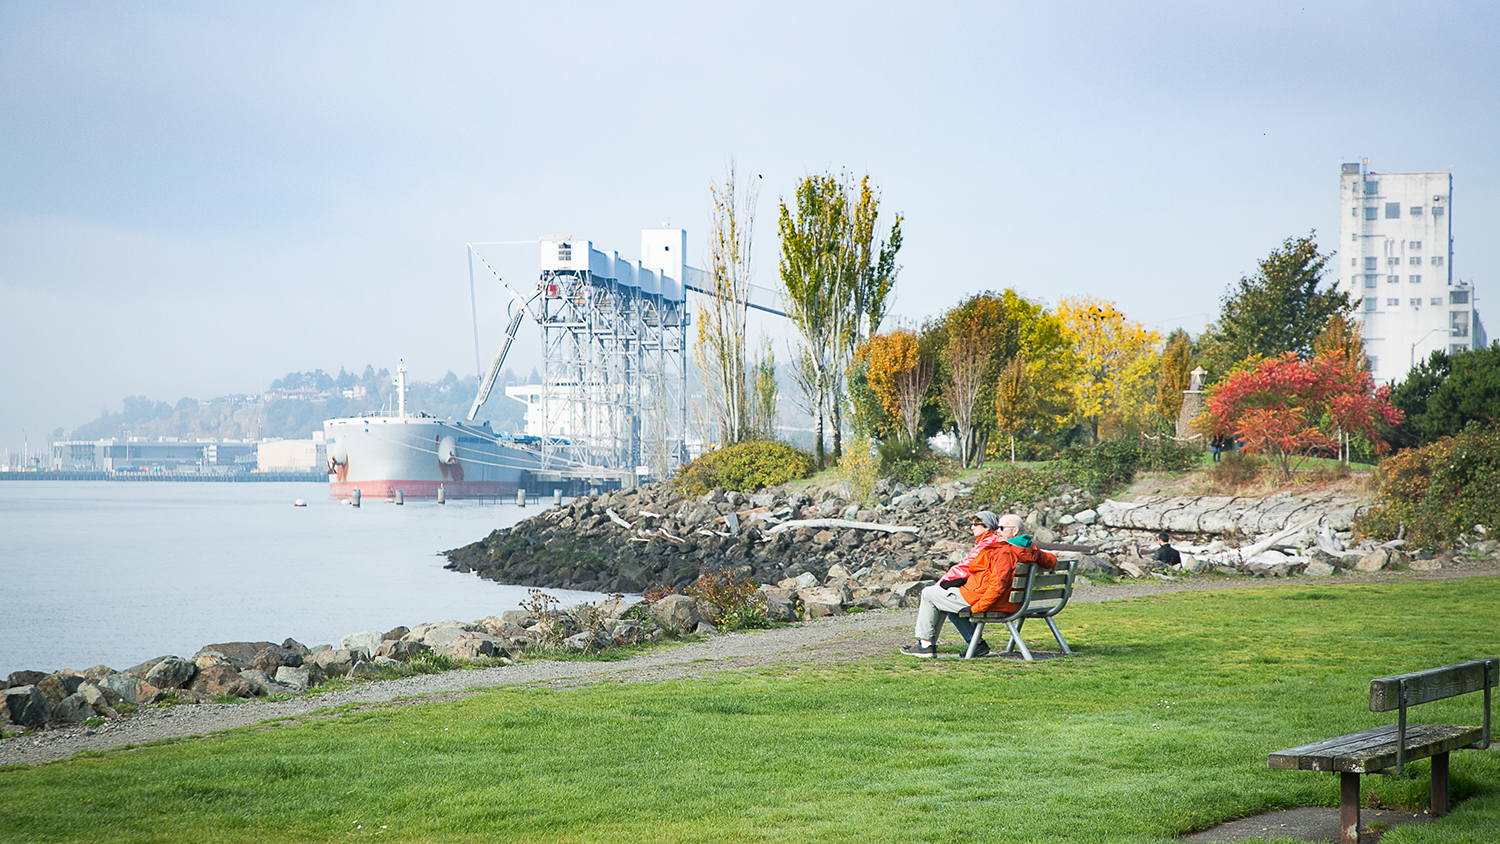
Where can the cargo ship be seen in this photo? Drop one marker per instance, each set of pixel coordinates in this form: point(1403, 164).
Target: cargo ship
point(386, 452)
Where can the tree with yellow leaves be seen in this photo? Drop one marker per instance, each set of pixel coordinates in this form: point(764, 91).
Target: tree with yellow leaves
point(898, 374)
point(1117, 363)
point(1174, 376)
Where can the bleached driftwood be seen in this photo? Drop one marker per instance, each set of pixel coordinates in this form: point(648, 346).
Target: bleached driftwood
point(841, 523)
point(615, 517)
point(1276, 539)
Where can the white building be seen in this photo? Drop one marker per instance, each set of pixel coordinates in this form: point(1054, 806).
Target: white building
point(1395, 260)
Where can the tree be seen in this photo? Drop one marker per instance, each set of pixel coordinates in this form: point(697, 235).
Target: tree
point(763, 393)
point(1175, 375)
point(968, 359)
point(1013, 401)
point(898, 375)
point(720, 350)
point(1445, 393)
point(1279, 309)
point(836, 281)
point(1341, 337)
point(1289, 408)
point(1116, 364)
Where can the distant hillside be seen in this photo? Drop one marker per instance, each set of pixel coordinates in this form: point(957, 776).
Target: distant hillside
point(295, 406)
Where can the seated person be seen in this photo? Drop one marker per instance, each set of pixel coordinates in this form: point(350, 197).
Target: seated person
point(999, 546)
point(1165, 553)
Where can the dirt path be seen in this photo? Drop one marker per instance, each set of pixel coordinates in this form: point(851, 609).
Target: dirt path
point(841, 639)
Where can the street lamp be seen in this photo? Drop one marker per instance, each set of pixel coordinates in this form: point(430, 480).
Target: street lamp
point(1419, 341)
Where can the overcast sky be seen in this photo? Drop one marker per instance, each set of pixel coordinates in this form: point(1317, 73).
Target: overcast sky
point(198, 198)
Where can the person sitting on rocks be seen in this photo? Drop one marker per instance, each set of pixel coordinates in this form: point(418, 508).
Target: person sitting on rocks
point(1165, 553)
point(983, 583)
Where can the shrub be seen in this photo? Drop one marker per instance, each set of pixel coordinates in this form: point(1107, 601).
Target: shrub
point(1434, 494)
point(1234, 471)
point(1102, 466)
point(1166, 455)
point(1017, 485)
point(744, 467)
point(860, 468)
point(737, 605)
point(908, 462)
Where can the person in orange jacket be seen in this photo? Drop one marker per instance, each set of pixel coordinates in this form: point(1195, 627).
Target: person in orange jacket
point(984, 585)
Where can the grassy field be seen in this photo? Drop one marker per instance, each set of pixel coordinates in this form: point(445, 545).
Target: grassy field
point(1160, 725)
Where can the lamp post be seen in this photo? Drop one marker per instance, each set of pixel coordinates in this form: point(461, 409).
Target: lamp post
point(1413, 364)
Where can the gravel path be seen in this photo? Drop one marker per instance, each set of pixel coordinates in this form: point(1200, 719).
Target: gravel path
point(839, 639)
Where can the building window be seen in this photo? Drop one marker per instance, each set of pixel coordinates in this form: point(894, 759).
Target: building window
point(1415, 303)
point(1353, 238)
point(564, 251)
point(1455, 348)
point(1414, 244)
point(1393, 279)
point(1436, 300)
point(1374, 363)
point(1393, 261)
point(1460, 322)
point(1416, 210)
point(1369, 303)
point(1393, 210)
point(1437, 210)
point(1393, 303)
point(1371, 263)
point(1372, 187)
point(1414, 279)
point(1415, 262)
point(1458, 297)
point(1437, 260)
point(1371, 279)
point(1371, 212)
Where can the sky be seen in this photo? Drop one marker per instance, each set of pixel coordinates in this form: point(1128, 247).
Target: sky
point(196, 199)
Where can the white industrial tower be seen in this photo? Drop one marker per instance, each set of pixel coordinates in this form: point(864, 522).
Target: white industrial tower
point(1395, 261)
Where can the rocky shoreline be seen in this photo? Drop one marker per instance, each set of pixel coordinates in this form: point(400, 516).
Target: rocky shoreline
point(813, 554)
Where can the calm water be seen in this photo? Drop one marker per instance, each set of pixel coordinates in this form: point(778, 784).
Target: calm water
point(116, 573)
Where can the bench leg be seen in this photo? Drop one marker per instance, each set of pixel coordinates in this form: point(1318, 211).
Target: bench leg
point(1015, 637)
point(1439, 798)
point(1058, 636)
point(1010, 646)
point(975, 640)
point(1348, 808)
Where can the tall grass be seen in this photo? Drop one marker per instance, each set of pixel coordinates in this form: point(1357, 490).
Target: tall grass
point(1159, 725)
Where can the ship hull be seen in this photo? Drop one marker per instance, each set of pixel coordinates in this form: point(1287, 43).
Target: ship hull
point(418, 456)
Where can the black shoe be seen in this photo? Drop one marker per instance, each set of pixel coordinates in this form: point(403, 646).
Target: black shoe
point(917, 649)
point(982, 650)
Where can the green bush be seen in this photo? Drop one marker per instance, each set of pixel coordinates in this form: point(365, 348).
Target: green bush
point(1433, 494)
point(744, 467)
point(737, 605)
point(1017, 485)
point(910, 463)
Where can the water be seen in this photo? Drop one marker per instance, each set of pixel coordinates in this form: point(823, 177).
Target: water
point(116, 573)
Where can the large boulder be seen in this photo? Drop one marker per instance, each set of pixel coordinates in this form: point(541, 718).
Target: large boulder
point(474, 646)
point(366, 641)
point(220, 679)
point(132, 690)
point(23, 678)
point(822, 601)
point(272, 658)
point(103, 702)
point(27, 706)
point(239, 654)
point(171, 673)
point(296, 679)
point(1378, 560)
point(779, 606)
point(401, 650)
point(52, 688)
point(676, 612)
point(74, 707)
point(335, 663)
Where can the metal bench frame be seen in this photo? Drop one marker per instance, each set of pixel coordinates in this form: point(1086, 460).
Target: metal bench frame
point(1386, 750)
point(1032, 587)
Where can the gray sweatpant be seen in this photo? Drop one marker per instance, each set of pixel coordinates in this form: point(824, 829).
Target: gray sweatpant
point(935, 604)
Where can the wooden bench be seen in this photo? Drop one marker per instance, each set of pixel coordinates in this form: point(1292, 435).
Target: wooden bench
point(1042, 593)
point(1386, 750)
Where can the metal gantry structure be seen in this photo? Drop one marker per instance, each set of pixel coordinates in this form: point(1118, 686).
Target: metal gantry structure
point(614, 373)
point(614, 347)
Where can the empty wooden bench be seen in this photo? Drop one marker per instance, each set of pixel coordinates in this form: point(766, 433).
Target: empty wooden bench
point(1386, 750)
point(1042, 593)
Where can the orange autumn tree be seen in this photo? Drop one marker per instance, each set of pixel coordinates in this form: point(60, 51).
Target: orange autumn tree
point(1290, 409)
point(899, 375)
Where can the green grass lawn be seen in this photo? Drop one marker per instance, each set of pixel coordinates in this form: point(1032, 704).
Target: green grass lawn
point(1159, 725)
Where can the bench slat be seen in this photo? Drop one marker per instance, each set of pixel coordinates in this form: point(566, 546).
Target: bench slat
point(1427, 686)
point(1373, 750)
